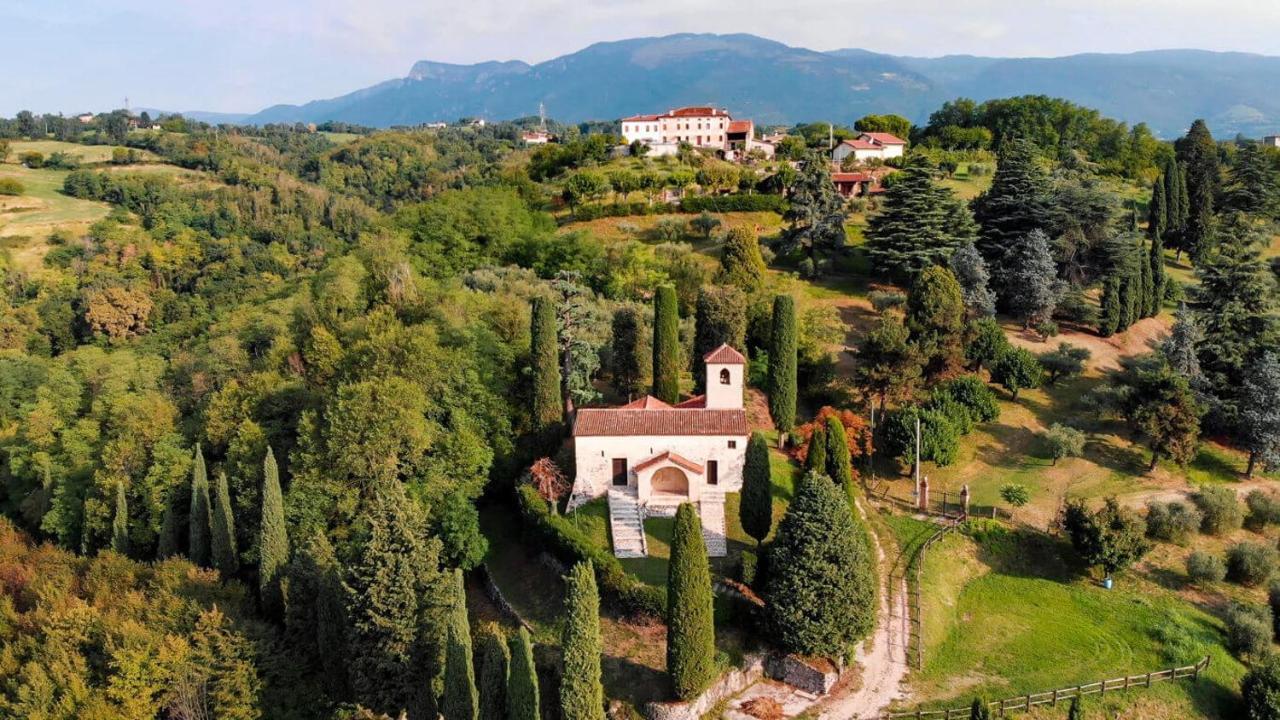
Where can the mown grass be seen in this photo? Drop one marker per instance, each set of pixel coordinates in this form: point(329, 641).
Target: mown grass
point(84, 153)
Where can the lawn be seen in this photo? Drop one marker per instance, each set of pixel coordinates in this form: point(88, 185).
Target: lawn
point(84, 153)
point(27, 220)
point(1007, 612)
point(640, 227)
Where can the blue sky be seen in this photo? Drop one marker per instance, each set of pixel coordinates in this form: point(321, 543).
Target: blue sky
point(243, 55)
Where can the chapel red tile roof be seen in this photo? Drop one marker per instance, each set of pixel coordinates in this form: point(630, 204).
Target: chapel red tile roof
point(674, 458)
point(724, 355)
point(648, 402)
point(697, 401)
point(884, 138)
point(673, 421)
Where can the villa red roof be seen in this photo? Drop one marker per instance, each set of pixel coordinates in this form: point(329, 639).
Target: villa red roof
point(884, 138)
point(674, 458)
point(641, 118)
point(670, 421)
point(860, 144)
point(740, 126)
point(724, 355)
point(850, 177)
point(696, 111)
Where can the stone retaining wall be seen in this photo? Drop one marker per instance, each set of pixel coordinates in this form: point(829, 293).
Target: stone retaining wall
point(729, 684)
point(492, 590)
point(815, 677)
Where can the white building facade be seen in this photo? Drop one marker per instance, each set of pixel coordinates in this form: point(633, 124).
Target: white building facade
point(870, 146)
point(702, 127)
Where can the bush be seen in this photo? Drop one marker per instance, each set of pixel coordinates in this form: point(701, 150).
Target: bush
point(1220, 509)
point(1249, 630)
point(1065, 362)
point(747, 568)
point(1273, 601)
point(975, 395)
point(883, 300)
point(1172, 522)
point(1063, 441)
point(1260, 689)
point(9, 186)
point(1264, 510)
point(1250, 564)
point(566, 542)
point(32, 159)
point(734, 203)
point(1203, 567)
point(1016, 369)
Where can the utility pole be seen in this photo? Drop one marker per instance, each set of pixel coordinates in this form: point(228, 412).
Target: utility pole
point(831, 137)
point(917, 454)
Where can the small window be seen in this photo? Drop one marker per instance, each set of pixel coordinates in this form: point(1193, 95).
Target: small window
point(733, 444)
point(724, 376)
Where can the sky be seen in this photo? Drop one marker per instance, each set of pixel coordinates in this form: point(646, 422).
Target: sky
point(243, 55)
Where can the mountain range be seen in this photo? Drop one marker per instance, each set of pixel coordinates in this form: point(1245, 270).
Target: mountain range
point(774, 83)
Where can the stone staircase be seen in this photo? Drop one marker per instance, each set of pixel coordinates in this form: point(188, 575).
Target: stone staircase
point(663, 504)
point(711, 512)
point(626, 525)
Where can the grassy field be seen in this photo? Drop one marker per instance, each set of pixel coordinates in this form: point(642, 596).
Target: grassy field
point(26, 221)
point(1006, 614)
point(86, 154)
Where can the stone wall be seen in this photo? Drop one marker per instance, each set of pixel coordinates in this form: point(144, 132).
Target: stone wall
point(813, 676)
point(729, 684)
point(492, 590)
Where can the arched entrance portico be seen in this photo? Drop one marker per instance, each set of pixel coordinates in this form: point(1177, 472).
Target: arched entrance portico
point(670, 481)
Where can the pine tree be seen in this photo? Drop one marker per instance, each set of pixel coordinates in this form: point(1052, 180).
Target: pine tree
point(1182, 348)
point(821, 585)
point(815, 459)
point(1030, 277)
point(815, 214)
point(720, 318)
point(839, 467)
point(741, 264)
point(494, 666)
point(1253, 186)
point(630, 365)
point(223, 538)
point(755, 507)
point(198, 520)
point(461, 698)
point(581, 692)
point(120, 522)
point(691, 640)
point(1017, 204)
point(544, 356)
point(782, 363)
point(971, 272)
point(522, 685)
point(273, 542)
point(666, 345)
point(917, 226)
point(1260, 413)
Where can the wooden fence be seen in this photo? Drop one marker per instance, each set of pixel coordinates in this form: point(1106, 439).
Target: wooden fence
point(1052, 697)
point(917, 567)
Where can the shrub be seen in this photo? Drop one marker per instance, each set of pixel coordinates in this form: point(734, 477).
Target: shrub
point(1260, 689)
point(734, 203)
point(1065, 362)
point(1249, 629)
point(1016, 369)
point(883, 300)
point(951, 409)
point(1015, 494)
point(32, 159)
point(1273, 601)
point(975, 395)
point(1203, 567)
point(1063, 441)
point(1264, 509)
point(1250, 564)
point(10, 186)
point(1220, 509)
point(1172, 522)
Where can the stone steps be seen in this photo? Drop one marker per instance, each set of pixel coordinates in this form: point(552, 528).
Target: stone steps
point(711, 513)
point(626, 525)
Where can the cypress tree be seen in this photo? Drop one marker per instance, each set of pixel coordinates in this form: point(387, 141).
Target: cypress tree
point(741, 264)
point(1155, 259)
point(316, 618)
point(1109, 321)
point(815, 460)
point(168, 543)
point(839, 466)
point(1148, 294)
point(935, 315)
point(461, 699)
point(223, 538)
point(666, 345)
point(198, 520)
point(120, 522)
point(821, 584)
point(755, 506)
point(523, 700)
point(782, 363)
point(691, 638)
point(629, 366)
point(581, 692)
point(544, 356)
point(1199, 238)
point(720, 318)
point(273, 541)
point(1157, 210)
point(494, 670)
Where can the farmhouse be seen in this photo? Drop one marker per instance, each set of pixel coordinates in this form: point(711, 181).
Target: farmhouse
point(536, 137)
point(647, 457)
point(870, 146)
point(1271, 140)
point(700, 126)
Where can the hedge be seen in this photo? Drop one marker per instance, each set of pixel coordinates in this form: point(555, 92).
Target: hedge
point(602, 210)
point(734, 203)
point(570, 546)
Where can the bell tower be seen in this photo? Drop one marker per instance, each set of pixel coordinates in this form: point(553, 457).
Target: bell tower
point(725, 370)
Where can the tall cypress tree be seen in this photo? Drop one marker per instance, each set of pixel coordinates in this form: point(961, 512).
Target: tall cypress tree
point(223, 526)
point(1157, 210)
point(581, 691)
point(1199, 237)
point(120, 522)
point(741, 263)
point(782, 363)
point(198, 520)
point(1148, 294)
point(523, 701)
point(815, 459)
point(1155, 261)
point(494, 669)
point(316, 619)
point(629, 366)
point(691, 638)
point(1109, 320)
point(461, 699)
point(839, 466)
point(666, 345)
point(755, 507)
point(273, 541)
point(168, 543)
point(544, 356)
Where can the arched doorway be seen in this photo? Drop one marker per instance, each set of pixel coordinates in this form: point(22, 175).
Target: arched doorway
point(671, 481)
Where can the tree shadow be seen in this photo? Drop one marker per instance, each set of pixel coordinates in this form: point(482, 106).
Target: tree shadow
point(633, 682)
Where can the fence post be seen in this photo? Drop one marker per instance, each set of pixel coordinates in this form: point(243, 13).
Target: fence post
point(1055, 699)
point(1028, 708)
point(1148, 679)
point(1002, 708)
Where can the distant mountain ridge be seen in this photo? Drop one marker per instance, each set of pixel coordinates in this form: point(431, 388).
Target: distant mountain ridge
point(773, 83)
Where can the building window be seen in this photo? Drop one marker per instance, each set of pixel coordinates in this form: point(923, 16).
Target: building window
point(724, 376)
point(733, 444)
